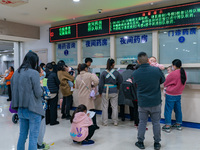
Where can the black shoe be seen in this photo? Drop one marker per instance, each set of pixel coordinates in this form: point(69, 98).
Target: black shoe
point(63, 116)
point(97, 127)
point(109, 117)
point(68, 117)
point(157, 146)
point(52, 124)
point(140, 145)
point(8, 100)
point(40, 146)
point(123, 118)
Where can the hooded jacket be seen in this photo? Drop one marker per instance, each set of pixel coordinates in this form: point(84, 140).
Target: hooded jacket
point(79, 127)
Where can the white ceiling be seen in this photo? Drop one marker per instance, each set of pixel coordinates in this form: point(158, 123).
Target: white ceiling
point(6, 47)
point(34, 12)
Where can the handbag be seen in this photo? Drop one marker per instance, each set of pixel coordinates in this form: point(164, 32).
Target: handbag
point(92, 92)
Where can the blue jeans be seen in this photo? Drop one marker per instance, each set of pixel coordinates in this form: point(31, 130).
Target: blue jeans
point(28, 122)
point(173, 102)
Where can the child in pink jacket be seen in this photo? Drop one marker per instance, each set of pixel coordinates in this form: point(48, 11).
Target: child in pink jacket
point(82, 128)
point(153, 62)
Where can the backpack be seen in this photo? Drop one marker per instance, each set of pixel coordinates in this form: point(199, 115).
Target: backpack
point(129, 90)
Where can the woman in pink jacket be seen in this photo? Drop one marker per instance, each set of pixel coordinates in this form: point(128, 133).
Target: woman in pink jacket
point(82, 128)
point(174, 84)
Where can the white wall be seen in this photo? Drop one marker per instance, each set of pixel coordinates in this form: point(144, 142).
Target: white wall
point(41, 44)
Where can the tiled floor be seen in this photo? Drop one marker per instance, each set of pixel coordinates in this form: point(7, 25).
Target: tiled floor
point(110, 137)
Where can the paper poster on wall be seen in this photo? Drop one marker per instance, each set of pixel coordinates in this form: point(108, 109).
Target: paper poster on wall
point(43, 55)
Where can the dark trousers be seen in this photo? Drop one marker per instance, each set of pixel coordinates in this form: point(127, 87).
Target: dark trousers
point(9, 93)
point(122, 110)
point(66, 105)
point(136, 114)
point(51, 112)
point(91, 130)
point(94, 119)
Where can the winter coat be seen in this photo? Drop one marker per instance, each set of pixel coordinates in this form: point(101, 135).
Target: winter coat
point(121, 99)
point(83, 91)
point(64, 77)
point(8, 78)
point(26, 91)
point(53, 82)
point(79, 127)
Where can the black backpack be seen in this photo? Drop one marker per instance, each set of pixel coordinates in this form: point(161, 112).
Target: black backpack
point(129, 90)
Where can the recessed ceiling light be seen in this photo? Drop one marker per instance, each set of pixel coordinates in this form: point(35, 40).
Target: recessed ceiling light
point(76, 0)
point(125, 37)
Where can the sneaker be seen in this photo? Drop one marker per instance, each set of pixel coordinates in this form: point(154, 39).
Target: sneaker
point(140, 145)
point(63, 116)
point(166, 129)
point(68, 117)
point(157, 146)
point(89, 142)
point(46, 147)
point(115, 124)
point(178, 127)
point(123, 119)
point(57, 122)
point(40, 146)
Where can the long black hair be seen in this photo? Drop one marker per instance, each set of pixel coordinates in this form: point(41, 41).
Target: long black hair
point(110, 63)
point(61, 65)
point(178, 64)
point(31, 60)
point(12, 68)
point(80, 108)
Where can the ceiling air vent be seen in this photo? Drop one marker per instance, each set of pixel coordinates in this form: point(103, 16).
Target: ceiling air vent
point(13, 3)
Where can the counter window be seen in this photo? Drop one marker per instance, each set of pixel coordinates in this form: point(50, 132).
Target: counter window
point(67, 51)
point(128, 47)
point(180, 44)
point(98, 49)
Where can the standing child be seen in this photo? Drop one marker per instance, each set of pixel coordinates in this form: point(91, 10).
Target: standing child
point(82, 128)
point(153, 62)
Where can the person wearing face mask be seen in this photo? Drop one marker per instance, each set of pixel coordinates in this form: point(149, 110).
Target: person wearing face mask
point(174, 84)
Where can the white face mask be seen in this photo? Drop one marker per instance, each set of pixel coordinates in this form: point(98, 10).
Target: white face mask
point(173, 68)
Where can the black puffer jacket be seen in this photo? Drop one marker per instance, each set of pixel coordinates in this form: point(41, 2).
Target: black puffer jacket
point(53, 82)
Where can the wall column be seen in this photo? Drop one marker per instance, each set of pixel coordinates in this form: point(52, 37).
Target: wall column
point(79, 52)
point(112, 47)
point(155, 45)
point(16, 55)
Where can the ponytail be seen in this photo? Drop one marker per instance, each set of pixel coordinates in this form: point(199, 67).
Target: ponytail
point(110, 63)
point(80, 108)
point(178, 64)
point(183, 76)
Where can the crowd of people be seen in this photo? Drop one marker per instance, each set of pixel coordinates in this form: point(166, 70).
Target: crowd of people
point(35, 91)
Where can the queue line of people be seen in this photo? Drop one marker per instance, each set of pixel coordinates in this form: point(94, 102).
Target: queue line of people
point(146, 78)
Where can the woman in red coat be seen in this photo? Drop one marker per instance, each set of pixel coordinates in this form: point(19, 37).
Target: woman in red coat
point(8, 78)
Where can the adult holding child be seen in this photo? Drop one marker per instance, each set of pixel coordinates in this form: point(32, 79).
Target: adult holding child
point(64, 77)
point(174, 84)
point(148, 80)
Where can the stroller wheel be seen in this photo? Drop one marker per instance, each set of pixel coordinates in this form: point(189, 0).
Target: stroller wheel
point(15, 118)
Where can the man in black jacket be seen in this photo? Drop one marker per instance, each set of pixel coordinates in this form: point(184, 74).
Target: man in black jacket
point(53, 85)
point(148, 80)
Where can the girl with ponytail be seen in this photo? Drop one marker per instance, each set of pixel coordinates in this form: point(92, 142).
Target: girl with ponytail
point(174, 84)
point(82, 128)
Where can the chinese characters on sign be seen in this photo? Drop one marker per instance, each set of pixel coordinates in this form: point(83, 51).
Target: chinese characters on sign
point(97, 42)
point(152, 20)
point(65, 31)
point(180, 32)
point(66, 45)
point(95, 26)
point(134, 39)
